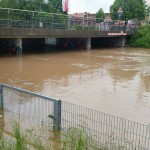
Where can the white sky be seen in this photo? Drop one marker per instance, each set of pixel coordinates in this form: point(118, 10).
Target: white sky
point(91, 6)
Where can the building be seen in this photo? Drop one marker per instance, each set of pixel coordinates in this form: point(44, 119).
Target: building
point(86, 19)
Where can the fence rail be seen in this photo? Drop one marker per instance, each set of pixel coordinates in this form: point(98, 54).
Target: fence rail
point(33, 19)
point(35, 110)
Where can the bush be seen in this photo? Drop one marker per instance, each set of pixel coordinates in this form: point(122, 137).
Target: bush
point(141, 38)
point(76, 27)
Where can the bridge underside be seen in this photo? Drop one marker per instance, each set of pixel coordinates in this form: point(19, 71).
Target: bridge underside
point(19, 46)
point(17, 40)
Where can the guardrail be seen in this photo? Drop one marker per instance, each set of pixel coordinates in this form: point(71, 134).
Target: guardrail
point(33, 19)
point(37, 111)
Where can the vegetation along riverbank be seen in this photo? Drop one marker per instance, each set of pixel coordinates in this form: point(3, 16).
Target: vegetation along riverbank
point(141, 38)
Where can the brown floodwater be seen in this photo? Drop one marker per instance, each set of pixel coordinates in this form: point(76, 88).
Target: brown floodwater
point(115, 81)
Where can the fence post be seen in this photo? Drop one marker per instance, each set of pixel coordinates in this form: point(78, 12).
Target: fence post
point(57, 115)
point(1, 97)
point(83, 22)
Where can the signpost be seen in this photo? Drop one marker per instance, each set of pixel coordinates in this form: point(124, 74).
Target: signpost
point(119, 14)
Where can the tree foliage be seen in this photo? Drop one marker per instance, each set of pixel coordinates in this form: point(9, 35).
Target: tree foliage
point(132, 9)
point(100, 16)
point(141, 37)
point(148, 10)
point(51, 6)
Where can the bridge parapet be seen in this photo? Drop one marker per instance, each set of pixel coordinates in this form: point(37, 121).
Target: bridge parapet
point(33, 19)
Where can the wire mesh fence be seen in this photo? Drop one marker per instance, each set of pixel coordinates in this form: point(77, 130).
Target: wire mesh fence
point(106, 130)
point(103, 131)
point(35, 113)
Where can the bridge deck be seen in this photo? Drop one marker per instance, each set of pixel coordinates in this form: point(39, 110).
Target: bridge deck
point(16, 32)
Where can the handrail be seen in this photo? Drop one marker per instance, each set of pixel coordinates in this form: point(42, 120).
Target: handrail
point(69, 22)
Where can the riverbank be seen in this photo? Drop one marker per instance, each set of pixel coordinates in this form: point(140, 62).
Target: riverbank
point(141, 38)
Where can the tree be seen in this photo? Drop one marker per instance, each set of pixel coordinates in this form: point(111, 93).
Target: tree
point(51, 6)
point(100, 16)
point(132, 9)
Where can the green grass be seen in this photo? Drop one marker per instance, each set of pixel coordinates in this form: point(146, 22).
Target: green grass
point(72, 139)
point(78, 139)
point(18, 140)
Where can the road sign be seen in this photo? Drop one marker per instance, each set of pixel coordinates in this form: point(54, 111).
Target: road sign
point(120, 12)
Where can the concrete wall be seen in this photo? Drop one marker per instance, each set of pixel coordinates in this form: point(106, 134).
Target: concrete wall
point(55, 33)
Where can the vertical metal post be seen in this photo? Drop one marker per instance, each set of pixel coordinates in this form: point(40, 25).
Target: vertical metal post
point(57, 115)
point(68, 23)
point(83, 22)
point(32, 26)
point(8, 14)
point(1, 96)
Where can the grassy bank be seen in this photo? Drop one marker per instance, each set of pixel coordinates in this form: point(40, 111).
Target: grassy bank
point(73, 139)
point(16, 140)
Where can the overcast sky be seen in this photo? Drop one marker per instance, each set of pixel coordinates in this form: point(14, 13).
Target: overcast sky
point(91, 6)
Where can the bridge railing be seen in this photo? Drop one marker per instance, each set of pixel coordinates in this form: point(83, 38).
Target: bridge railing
point(33, 19)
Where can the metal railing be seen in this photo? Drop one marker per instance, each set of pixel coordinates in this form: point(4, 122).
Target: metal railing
point(33, 19)
point(27, 106)
point(34, 110)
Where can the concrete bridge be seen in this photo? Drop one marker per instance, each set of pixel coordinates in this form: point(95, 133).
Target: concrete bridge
point(26, 26)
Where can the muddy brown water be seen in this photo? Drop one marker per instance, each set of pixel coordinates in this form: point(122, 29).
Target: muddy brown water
point(115, 81)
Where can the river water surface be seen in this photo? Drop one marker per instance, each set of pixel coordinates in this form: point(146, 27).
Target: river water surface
point(115, 81)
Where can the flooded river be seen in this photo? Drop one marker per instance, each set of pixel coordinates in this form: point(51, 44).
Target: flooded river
point(115, 81)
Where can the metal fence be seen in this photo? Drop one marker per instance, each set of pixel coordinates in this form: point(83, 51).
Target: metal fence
point(33, 19)
point(29, 108)
point(103, 130)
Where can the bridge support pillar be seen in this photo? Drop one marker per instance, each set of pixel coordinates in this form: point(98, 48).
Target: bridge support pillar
point(18, 43)
point(88, 43)
point(17, 49)
point(123, 41)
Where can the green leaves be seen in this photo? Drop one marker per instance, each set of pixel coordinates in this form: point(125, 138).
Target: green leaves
point(132, 9)
point(141, 37)
point(100, 16)
point(51, 6)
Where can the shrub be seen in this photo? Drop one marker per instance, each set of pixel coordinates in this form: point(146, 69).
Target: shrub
point(141, 38)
